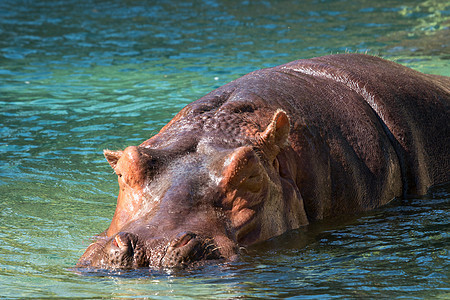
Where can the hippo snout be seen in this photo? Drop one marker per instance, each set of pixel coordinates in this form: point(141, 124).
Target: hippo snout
point(188, 248)
point(127, 250)
point(122, 249)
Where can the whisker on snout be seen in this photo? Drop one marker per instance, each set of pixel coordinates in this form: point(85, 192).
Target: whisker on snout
point(217, 248)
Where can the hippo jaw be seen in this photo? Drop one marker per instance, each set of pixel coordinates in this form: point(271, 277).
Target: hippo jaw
point(203, 206)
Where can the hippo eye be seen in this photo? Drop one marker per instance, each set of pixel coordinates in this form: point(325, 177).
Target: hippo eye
point(243, 170)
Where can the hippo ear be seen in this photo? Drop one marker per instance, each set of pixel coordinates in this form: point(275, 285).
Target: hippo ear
point(277, 132)
point(112, 157)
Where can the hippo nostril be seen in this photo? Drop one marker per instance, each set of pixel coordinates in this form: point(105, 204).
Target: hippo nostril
point(118, 242)
point(182, 239)
point(124, 241)
point(189, 248)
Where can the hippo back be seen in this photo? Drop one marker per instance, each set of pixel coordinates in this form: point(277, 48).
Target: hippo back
point(412, 107)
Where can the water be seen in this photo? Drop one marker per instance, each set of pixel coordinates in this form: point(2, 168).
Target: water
point(77, 77)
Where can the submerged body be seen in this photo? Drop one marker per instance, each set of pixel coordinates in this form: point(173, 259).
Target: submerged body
point(272, 151)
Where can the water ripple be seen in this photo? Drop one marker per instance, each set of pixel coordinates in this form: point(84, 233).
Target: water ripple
point(80, 76)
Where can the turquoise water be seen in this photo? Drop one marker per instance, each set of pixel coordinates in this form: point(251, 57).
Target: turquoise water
point(77, 77)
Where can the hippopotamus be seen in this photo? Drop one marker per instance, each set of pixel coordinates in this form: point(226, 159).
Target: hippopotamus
point(272, 151)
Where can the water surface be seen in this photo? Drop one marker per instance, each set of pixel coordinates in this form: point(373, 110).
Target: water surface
point(77, 77)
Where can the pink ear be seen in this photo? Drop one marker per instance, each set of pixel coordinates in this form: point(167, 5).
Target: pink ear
point(277, 132)
point(112, 157)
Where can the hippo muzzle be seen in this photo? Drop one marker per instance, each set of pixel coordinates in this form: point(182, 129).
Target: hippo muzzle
point(126, 251)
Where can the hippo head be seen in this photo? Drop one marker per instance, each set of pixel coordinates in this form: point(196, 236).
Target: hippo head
point(179, 207)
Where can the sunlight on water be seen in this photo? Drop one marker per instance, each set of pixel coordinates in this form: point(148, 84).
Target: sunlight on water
point(77, 77)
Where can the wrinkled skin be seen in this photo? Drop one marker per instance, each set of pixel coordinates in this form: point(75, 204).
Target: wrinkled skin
point(272, 151)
